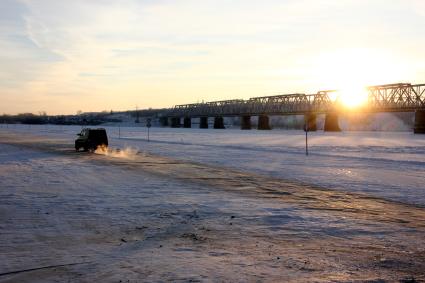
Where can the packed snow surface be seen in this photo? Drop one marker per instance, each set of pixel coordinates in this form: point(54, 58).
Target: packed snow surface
point(390, 165)
point(196, 205)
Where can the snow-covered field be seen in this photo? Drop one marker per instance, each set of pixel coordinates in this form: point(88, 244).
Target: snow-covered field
point(197, 205)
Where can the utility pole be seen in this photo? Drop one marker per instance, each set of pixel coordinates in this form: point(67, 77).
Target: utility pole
point(137, 115)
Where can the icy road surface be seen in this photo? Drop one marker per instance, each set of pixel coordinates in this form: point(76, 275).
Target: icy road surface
point(149, 216)
point(390, 165)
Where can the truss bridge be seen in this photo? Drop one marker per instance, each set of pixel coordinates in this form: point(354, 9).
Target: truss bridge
point(401, 97)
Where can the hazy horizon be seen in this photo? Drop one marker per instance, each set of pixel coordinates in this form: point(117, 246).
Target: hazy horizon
point(100, 55)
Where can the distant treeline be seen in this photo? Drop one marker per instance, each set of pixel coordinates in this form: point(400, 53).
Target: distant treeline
point(93, 118)
point(81, 119)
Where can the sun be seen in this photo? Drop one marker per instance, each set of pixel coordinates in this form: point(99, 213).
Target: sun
point(351, 70)
point(352, 96)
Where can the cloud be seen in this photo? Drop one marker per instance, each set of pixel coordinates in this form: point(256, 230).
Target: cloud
point(115, 54)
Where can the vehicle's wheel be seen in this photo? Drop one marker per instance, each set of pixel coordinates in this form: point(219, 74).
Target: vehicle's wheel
point(90, 148)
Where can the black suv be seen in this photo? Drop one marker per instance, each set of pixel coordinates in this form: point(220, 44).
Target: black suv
point(91, 139)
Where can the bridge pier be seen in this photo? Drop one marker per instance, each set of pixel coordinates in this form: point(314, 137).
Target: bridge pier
point(163, 121)
point(263, 123)
point(246, 122)
point(175, 122)
point(203, 123)
point(310, 121)
point(219, 122)
point(419, 122)
point(331, 123)
point(187, 122)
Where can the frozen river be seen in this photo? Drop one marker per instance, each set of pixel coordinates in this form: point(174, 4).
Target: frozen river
point(207, 205)
point(390, 165)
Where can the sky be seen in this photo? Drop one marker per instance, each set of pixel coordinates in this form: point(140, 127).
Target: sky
point(93, 55)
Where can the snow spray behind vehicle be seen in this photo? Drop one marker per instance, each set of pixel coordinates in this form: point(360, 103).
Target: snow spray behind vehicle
point(126, 153)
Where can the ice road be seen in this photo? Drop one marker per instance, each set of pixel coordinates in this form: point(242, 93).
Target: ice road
point(155, 214)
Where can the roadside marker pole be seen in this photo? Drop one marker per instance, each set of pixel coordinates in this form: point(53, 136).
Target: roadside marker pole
point(306, 139)
point(148, 125)
point(306, 143)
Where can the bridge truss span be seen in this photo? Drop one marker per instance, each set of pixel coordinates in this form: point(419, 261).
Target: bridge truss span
point(402, 97)
point(396, 98)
